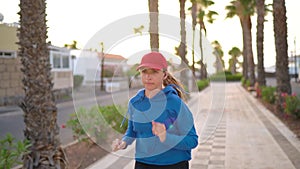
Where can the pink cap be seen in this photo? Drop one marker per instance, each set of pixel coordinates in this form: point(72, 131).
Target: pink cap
point(154, 60)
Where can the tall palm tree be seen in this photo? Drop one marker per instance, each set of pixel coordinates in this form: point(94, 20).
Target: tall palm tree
point(153, 28)
point(218, 52)
point(235, 53)
point(182, 47)
point(194, 23)
point(260, 7)
point(203, 14)
point(280, 32)
point(40, 111)
point(244, 9)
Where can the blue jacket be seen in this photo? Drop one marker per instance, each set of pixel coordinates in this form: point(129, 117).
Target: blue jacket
point(168, 108)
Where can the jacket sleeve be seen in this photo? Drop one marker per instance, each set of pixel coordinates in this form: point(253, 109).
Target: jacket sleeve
point(185, 138)
point(129, 135)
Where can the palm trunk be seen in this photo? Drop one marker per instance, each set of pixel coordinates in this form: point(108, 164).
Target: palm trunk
point(182, 46)
point(251, 66)
point(247, 49)
point(194, 18)
point(245, 60)
point(40, 112)
point(153, 28)
point(280, 31)
point(202, 66)
point(260, 42)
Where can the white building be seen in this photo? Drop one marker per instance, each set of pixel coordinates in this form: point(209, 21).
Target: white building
point(88, 64)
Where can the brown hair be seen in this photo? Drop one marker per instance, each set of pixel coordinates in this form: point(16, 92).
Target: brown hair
point(177, 85)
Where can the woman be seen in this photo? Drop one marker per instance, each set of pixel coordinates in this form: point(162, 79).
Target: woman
point(159, 120)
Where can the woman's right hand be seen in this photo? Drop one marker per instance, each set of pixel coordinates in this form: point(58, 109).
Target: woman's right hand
point(118, 144)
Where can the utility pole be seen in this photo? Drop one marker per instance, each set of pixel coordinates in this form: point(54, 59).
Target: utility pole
point(102, 67)
point(295, 62)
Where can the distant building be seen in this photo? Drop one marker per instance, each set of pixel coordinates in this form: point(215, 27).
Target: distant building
point(294, 66)
point(11, 87)
point(10, 75)
point(88, 64)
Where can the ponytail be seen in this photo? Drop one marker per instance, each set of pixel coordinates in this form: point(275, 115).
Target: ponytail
point(171, 80)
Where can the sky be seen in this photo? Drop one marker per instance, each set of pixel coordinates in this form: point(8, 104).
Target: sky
point(70, 20)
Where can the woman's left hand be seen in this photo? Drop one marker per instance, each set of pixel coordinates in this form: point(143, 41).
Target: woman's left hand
point(159, 130)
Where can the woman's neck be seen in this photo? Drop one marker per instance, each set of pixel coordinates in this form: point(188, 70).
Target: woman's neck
point(151, 93)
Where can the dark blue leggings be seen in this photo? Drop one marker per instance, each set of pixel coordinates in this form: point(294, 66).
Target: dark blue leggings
point(180, 165)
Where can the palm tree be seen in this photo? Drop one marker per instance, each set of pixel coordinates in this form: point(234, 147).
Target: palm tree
point(181, 50)
point(202, 14)
point(260, 7)
point(218, 52)
point(40, 111)
point(194, 23)
point(182, 47)
point(280, 32)
point(235, 52)
point(244, 9)
point(153, 28)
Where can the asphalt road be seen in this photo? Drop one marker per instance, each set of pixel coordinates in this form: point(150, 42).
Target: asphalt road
point(12, 120)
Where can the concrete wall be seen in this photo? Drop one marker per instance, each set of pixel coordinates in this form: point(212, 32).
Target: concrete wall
point(11, 87)
point(11, 90)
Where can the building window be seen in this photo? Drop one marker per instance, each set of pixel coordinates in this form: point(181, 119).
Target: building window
point(65, 62)
point(8, 54)
point(56, 61)
point(59, 60)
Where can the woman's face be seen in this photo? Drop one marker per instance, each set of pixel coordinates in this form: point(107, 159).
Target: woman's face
point(152, 79)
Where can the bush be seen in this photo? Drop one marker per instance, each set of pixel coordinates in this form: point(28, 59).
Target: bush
point(113, 117)
point(96, 122)
point(202, 84)
point(77, 81)
point(268, 94)
point(74, 124)
point(218, 77)
point(228, 76)
point(243, 81)
point(11, 151)
point(291, 104)
point(236, 77)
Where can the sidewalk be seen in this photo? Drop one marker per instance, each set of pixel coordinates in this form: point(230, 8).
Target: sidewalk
point(236, 132)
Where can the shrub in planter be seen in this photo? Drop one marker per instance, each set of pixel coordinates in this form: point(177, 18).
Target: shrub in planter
point(77, 81)
point(202, 84)
point(96, 122)
point(74, 124)
point(268, 94)
point(243, 81)
point(236, 77)
point(291, 104)
point(220, 76)
point(226, 76)
point(11, 151)
point(114, 115)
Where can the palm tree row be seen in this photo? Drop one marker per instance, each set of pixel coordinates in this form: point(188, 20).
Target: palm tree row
point(244, 9)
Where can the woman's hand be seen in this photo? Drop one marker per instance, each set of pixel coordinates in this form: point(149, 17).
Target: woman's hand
point(159, 129)
point(118, 144)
